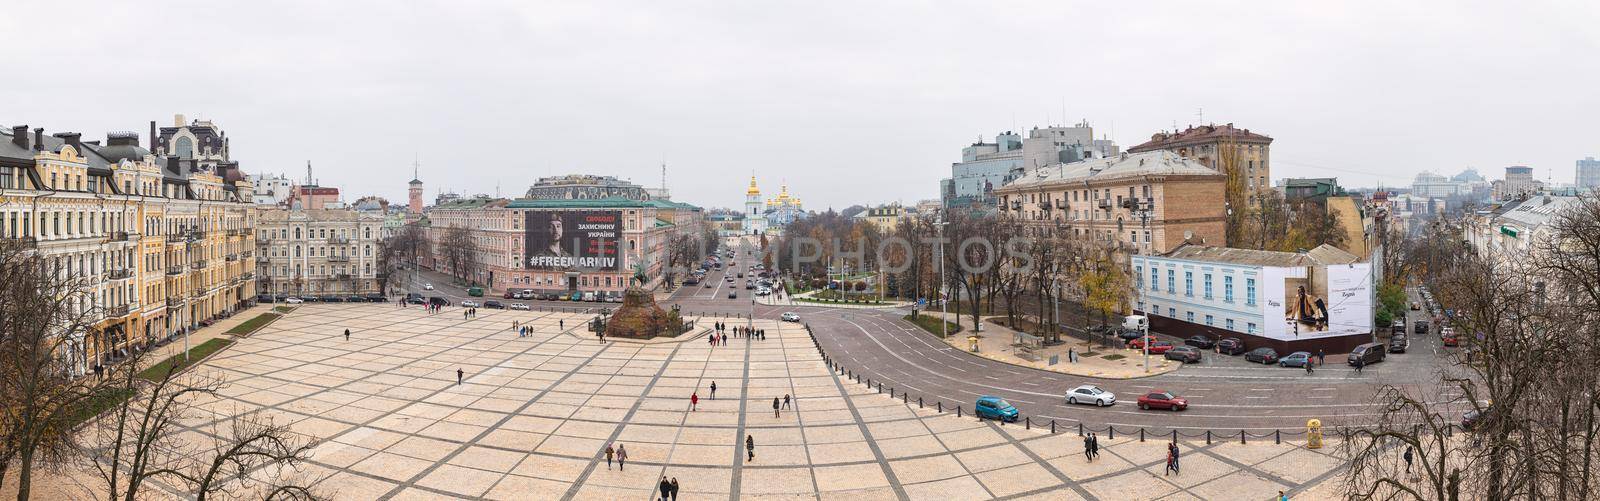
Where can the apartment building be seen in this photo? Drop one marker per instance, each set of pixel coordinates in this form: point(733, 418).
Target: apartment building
point(320, 252)
point(163, 239)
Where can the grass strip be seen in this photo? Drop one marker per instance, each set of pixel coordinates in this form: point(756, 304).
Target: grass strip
point(250, 326)
point(178, 363)
point(931, 324)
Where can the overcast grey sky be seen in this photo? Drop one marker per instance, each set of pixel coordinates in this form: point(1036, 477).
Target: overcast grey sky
point(849, 102)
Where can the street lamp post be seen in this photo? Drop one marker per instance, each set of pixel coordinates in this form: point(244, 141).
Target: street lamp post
point(1142, 209)
point(944, 312)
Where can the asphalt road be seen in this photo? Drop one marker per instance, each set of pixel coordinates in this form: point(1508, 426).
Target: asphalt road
point(1225, 393)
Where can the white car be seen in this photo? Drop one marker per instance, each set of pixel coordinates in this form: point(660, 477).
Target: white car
point(293, 300)
point(789, 316)
point(471, 304)
point(519, 306)
point(1091, 394)
point(427, 287)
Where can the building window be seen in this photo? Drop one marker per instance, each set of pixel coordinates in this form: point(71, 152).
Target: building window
point(1188, 283)
point(1155, 276)
point(1209, 320)
point(1227, 289)
point(1172, 312)
point(1229, 323)
point(1188, 316)
point(1208, 286)
point(1138, 277)
point(1172, 281)
point(1250, 291)
point(1139, 306)
point(1250, 328)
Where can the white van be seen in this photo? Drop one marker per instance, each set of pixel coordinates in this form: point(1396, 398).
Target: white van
point(588, 296)
point(1135, 323)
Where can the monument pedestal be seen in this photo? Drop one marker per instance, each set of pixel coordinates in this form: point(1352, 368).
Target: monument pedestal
point(640, 317)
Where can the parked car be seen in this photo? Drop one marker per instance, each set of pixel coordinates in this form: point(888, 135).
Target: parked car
point(1138, 343)
point(1230, 346)
point(470, 304)
point(1296, 359)
point(1185, 354)
point(355, 299)
point(789, 316)
point(1091, 394)
point(1398, 327)
point(1449, 339)
point(1200, 342)
point(519, 306)
point(292, 300)
point(1398, 343)
point(1263, 355)
point(989, 407)
point(1160, 347)
point(494, 304)
point(1162, 400)
point(1368, 354)
point(438, 301)
point(1129, 334)
point(732, 294)
point(1415, 306)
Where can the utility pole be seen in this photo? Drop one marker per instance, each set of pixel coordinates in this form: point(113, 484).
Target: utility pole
point(944, 311)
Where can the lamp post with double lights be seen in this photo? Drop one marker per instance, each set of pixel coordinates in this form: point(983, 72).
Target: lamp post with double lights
point(1141, 208)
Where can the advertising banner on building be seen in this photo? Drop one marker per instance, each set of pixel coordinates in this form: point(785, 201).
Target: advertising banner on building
point(558, 240)
point(1315, 302)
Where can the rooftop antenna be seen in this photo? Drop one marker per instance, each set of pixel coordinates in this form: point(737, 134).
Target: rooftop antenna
point(416, 167)
point(1201, 113)
point(308, 173)
point(663, 176)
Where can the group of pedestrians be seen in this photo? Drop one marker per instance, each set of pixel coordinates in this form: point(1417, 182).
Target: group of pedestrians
point(669, 490)
point(620, 452)
point(1091, 447)
point(786, 401)
point(433, 308)
point(522, 330)
point(744, 332)
point(469, 313)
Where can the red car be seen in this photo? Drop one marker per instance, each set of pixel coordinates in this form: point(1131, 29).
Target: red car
point(1138, 343)
point(1160, 347)
point(1163, 400)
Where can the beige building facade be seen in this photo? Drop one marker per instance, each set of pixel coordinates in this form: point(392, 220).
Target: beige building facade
point(324, 253)
point(1211, 146)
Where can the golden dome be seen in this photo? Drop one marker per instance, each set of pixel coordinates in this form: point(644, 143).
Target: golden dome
point(753, 190)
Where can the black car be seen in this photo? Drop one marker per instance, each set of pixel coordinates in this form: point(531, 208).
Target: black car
point(1130, 334)
point(377, 298)
point(1200, 342)
point(1398, 343)
point(332, 299)
point(264, 298)
point(438, 301)
point(494, 304)
point(1230, 346)
point(1263, 354)
point(355, 299)
point(732, 294)
point(1185, 354)
point(1422, 327)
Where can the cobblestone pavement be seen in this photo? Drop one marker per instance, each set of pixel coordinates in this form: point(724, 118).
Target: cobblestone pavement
point(533, 415)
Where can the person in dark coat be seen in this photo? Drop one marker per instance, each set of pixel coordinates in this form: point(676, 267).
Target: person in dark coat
point(750, 447)
point(674, 488)
point(666, 488)
point(774, 406)
point(347, 334)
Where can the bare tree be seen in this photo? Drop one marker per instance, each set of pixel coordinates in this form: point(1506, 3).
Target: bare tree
point(460, 252)
point(45, 315)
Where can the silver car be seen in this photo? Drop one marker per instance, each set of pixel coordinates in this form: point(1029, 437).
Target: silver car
point(790, 316)
point(1091, 394)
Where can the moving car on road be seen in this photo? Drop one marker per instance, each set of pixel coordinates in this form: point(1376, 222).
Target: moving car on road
point(989, 407)
point(1367, 354)
point(1263, 354)
point(470, 304)
point(1200, 342)
point(494, 304)
point(1185, 354)
point(1421, 327)
point(1162, 400)
point(519, 306)
point(427, 287)
point(789, 316)
point(1296, 359)
point(1091, 394)
point(293, 300)
point(732, 294)
point(1398, 343)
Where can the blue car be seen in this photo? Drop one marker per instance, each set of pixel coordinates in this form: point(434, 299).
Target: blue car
point(995, 408)
point(1296, 359)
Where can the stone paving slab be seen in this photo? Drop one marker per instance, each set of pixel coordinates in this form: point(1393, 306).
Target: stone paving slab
point(532, 416)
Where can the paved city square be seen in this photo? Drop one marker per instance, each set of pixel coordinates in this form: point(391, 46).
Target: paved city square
point(533, 415)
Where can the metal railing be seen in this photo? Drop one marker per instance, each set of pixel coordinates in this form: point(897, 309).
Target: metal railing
point(117, 311)
point(339, 240)
point(198, 265)
point(338, 259)
point(120, 274)
point(231, 258)
point(117, 236)
point(174, 302)
point(174, 270)
point(176, 237)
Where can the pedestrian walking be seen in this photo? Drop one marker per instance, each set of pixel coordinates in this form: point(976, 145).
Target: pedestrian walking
point(666, 488)
point(1360, 363)
point(610, 452)
point(347, 334)
point(622, 457)
point(1321, 358)
point(1177, 465)
point(1282, 496)
point(459, 374)
point(1171, 461)
point(1088, 449)
point(713, 390)
point(674, 488)
point(750, 447)
point(1094, 445)
point(786, 400)
point(694, 401)
point(563, 324)
point(1408, 460)
point(774, 406)
point(1308, 367)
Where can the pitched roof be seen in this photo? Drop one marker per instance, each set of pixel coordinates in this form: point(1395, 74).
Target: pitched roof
point(596, 203)
point(1150, 163)
point(1322, 255)
point(1197, 135)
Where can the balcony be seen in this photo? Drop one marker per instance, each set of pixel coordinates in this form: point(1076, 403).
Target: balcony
point(174, 302)
point(233, 232)
point(117, 311)
point(174, 270)
point(198, 293)
point(198, 265)
point(173, 238)
point(231, 258)
point(1046, 205)
point(197, 235)
point(247, 254)
point(117, 236)
point(1105, 204)
point(339, 240)
point(264, 241)
point(121, 274)
point(1016, 205)
point(249, 276)
point(341, 276)
point(338, 259)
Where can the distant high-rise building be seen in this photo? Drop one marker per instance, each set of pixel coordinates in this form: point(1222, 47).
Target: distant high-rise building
point(1430, 185)
point(1519, 181)
point(585, 187)
point(1588, 173)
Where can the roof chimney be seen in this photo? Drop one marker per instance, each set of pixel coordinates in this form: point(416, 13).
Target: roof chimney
point(19, 136)
point(38, 139)
point(152, 136)
point(70, 138)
